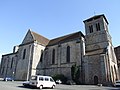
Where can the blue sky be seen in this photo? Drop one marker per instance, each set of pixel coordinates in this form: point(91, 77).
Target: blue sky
point(52, 18)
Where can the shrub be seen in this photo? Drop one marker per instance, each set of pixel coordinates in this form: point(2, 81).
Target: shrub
point(60, 77)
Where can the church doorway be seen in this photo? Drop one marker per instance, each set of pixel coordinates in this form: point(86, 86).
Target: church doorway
point(95, 80)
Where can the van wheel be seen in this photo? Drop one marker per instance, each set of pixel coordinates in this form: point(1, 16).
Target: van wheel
point(53, 86)
point(41, 87)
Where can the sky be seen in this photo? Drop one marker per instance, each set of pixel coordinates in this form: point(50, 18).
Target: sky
point(52, 19)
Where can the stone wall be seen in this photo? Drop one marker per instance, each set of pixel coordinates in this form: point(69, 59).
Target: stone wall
point(8, 65)
point(117, 53)
point(61, 66)
point(37, 58)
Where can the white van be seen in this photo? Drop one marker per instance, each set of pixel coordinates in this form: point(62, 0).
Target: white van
point(42, 81)
point(117, 83)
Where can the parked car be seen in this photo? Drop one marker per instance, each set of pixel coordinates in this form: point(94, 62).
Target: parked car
point(58, 81)
point(117, 83)
point(42, 81)
point(70, 82)
point(8, 79)
point(26, 83)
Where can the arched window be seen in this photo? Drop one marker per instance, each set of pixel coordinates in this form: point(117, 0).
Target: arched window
point(91, 28)
point(95, 80)
point(97, 26)
point(68, 54)
point(53, 56)
point(41, 58)
point(24, 53)
point(12, 62)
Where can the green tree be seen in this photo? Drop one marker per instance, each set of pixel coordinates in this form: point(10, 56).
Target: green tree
point(75, 73)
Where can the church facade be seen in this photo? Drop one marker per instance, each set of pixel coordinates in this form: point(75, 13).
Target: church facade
point(92, 52)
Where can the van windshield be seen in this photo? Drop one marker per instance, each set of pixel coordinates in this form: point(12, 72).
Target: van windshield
point(51, 80)
point(34, 78)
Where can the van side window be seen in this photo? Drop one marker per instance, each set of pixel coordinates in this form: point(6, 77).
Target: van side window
point(41, 78)
point(46, 79)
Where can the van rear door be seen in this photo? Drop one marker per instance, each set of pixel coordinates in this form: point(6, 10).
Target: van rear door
point(33, 80)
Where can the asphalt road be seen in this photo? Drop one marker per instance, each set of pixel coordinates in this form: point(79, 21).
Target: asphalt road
point(17, 85)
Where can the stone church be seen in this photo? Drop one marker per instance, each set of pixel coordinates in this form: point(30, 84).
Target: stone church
point(92, 52)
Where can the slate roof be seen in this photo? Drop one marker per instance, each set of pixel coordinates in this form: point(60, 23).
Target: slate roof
point(95, 17)
point(46, 42)
point(40, 39)
point(65, 38)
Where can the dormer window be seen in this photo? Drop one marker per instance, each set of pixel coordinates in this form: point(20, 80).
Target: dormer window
point(97, 26)
point(91, 28)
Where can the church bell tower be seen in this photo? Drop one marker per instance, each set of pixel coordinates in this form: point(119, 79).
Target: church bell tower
point(100, 60)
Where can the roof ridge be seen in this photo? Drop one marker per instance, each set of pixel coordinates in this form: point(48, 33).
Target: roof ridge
point(39, 38)
point(32, 32)
point(66, 35)
point(98, 15)
point(65, 38)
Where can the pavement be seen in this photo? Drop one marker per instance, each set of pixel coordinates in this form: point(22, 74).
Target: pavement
point(17, 85)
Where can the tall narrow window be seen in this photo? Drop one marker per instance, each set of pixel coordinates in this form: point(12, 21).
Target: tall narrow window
point(53, 56)
point(97, 26)
point(95, 80)
point(24, 53)
point(68, 54)
point(115, 72)
point(12, 62)
point(41, 58)
point(2, 72)
point(91, 28)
